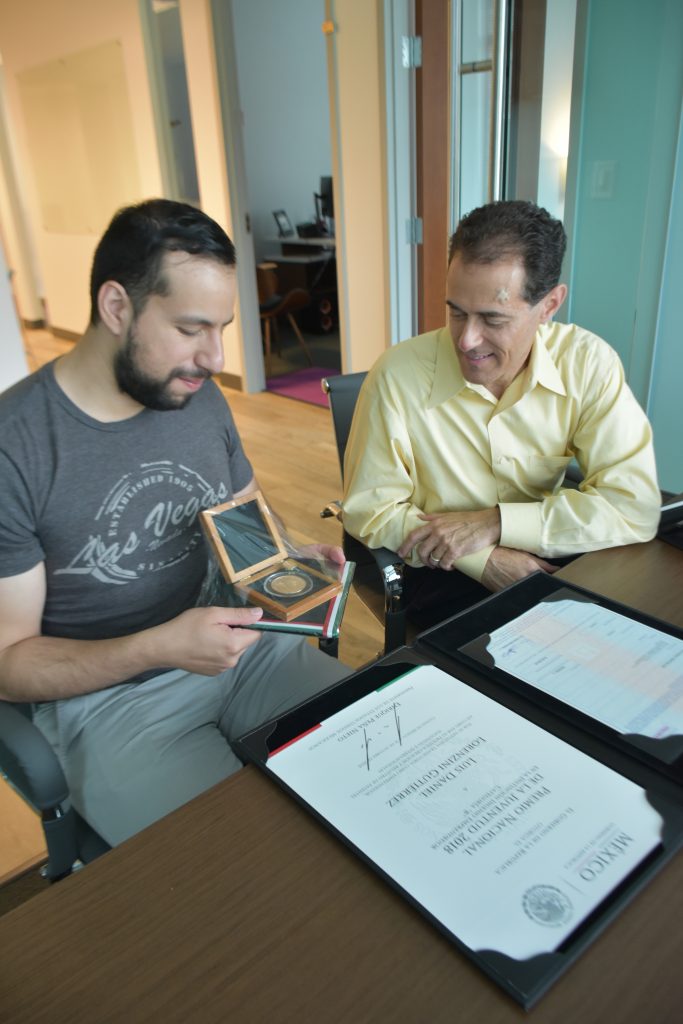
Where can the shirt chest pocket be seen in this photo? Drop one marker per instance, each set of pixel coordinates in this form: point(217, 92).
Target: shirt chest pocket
point(545, 473)
point(534, 476)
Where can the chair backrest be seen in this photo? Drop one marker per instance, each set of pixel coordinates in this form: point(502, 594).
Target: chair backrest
point(31, 766)
point(266, 282)
point(342, 392)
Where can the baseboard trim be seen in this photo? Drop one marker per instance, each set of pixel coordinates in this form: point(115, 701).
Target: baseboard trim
point(59, 332)
point(230, 380)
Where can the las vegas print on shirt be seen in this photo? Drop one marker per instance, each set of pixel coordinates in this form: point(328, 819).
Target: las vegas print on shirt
point(141, 525)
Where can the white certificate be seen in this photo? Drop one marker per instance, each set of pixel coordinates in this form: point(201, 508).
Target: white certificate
point(506, 835)
point(620, 672)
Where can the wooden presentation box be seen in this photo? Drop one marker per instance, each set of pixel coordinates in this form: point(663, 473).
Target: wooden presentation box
point(252, 556)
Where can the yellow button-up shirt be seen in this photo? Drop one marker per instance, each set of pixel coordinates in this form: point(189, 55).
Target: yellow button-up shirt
point(426, 440)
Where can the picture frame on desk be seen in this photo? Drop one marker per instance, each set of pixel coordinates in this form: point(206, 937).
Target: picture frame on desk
point(284, 225)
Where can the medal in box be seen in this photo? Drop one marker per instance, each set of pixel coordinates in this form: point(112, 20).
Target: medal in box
point(253, 558)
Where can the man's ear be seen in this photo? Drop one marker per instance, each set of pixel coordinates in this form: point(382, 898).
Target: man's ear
point(551, 302)
point(115, 308)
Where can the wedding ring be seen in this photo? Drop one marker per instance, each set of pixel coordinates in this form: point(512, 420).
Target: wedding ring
point(434, 560)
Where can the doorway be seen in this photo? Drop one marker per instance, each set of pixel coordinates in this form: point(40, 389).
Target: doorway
point(281, 68)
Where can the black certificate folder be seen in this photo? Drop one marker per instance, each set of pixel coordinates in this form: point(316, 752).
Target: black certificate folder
point(605, 667)
point(515, 843)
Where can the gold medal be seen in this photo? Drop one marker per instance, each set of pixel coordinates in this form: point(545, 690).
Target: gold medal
point(287, 584)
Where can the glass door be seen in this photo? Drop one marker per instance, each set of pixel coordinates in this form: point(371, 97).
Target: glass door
point(512, 64)
point(479, 49)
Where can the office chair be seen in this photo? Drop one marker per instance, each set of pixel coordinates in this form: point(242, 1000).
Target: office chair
point(272, 305)
point(378, 578)
point(30, 765)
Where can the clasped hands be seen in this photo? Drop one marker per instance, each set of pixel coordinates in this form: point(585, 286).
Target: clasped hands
point(448, 536)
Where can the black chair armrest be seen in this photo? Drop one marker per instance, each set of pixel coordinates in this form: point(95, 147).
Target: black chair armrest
point(386, 558)
point(29, 761)
point(672, 512)
point(390, 567)
point(387, 568)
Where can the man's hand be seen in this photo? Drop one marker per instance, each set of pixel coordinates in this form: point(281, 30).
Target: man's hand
point(207, 640)
point(507, 565)
point(447, 536)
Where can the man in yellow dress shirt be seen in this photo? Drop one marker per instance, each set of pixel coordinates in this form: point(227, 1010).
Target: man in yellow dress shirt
point(462, 436)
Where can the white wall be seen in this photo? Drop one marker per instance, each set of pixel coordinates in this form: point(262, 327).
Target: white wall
point(33, 33)
point(282, 75)
point(13, 365)
point(19, 249)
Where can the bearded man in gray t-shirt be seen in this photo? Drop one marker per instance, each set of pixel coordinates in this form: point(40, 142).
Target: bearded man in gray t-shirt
point(106, 457)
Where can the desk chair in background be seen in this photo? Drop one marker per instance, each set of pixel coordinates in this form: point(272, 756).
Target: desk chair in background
point(272, 305)
point(31, 767)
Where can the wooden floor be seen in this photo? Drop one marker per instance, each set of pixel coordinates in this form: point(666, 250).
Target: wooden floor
point(292, 449)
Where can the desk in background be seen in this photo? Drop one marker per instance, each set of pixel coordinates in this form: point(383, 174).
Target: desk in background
point(240, 903)
point(293, 244)
point(306, 263)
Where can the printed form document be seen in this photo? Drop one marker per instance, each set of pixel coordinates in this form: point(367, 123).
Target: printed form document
point(620, 672)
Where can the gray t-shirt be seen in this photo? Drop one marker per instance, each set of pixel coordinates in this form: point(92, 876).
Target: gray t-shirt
point(111, 508)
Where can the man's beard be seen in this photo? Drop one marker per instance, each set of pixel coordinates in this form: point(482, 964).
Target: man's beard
point(151, 393)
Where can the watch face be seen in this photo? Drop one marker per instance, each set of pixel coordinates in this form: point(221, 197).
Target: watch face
point(290, 583)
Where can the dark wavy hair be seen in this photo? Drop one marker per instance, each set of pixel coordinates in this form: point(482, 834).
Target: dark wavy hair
point(132, 248)
point(514, 228)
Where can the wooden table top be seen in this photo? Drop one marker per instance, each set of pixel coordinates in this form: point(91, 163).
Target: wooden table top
point(241, 905)
point(648, 577)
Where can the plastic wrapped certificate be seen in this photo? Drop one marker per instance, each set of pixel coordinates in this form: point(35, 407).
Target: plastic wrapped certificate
point(613, 670)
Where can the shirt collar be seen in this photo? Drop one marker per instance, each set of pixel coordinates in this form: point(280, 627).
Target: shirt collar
point(541, 369)
point(449, 381)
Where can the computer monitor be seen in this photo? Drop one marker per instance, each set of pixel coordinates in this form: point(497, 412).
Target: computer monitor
point(326, 197)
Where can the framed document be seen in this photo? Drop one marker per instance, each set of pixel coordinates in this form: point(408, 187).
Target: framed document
point(516, 844)
point(252, 556)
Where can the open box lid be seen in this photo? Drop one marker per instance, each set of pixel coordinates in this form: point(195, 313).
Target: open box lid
point(244, 536)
